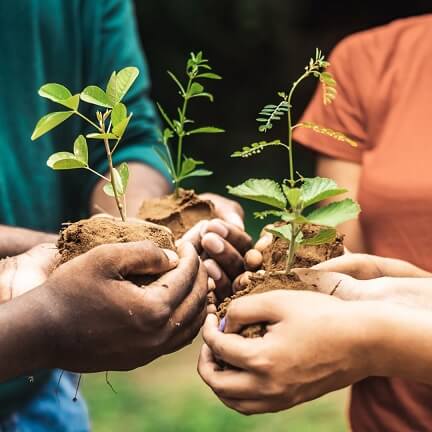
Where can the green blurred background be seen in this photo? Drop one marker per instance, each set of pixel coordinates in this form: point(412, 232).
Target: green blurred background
point(260, 47)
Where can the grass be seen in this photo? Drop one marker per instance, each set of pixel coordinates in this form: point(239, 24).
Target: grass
point(168, 396)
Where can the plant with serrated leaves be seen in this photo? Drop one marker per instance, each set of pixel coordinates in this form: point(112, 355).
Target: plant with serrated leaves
point(179, 166)
point(110, 127)
point(292, 199)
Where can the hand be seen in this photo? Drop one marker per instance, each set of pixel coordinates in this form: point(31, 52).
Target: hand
point(228, 210)
point(98, 320)
point(222, 246)
point(26, 271)
point(315, 344)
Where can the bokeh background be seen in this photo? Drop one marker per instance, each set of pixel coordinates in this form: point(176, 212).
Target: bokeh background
point(260, 47)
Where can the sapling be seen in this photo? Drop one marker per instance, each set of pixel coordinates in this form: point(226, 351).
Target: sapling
point(179, 166)
point(292, 198)
point(109, 127)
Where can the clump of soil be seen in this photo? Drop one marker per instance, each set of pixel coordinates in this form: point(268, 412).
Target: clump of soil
point(274, 260)
point(274, 257)
point(260, 283)
point(178, 213)
point(80, 237)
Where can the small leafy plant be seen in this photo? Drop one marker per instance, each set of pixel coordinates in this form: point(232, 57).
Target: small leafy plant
point(179, 166)
point(291, 199)
point(110, 127)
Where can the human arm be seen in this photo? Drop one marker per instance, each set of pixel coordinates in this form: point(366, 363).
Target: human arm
point(294, 362)
point(89, 317)
point(14, 241)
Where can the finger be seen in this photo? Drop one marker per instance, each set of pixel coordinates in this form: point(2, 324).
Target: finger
point(194, 235)
point(231, 233)
point(253, 259)
point(226, 383)
point(227, 209)
point(223, 285)
point(46, 256)
point(336, 284)
point(241, 282)
point(231, 348)
point(264, 242)
point(177, 284)
point(194, 304)
point(253, 309)
point(251, 407)
point(135, 258)
point(224, 254)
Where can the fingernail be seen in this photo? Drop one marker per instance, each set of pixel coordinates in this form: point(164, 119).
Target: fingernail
point(211, 286)
point(218, 228)
point(213, 270)
point(222, 324)
point(172, 256)
point(235, 219)
point(214, 244)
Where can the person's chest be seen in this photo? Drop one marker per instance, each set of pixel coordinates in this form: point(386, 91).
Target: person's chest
point(396, 185)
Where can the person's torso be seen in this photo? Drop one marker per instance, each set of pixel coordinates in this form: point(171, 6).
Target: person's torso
point(396, 197)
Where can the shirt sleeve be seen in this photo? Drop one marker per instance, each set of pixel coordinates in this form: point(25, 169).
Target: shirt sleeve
point(346, 113)
point(114, 44)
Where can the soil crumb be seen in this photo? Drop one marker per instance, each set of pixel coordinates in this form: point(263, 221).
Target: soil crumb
point(180, 213)
point(81, 236)
point(274, 257)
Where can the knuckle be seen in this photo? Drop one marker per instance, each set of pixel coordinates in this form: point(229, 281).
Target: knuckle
point(159, 312)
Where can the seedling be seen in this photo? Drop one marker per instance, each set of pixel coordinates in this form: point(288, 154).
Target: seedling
point(294, 196)
point(110, 127)
point(179, 166)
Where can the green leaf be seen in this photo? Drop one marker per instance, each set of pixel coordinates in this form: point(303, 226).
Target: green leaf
point(48, 122)
point(179, 85)
point(267, 213)
point(198, 173)
point(119, 113)
point(108, 189)
point(55, 92)
point(261, 190)
point(335, 213)
point(96, 96)
point(164, 157)
point(165, 115)
point(317, 189)
point(209, 75)
point(293, 195)
point(81, 149)
point(101, 136)
point(205, 130)
point(196, 88)
point(327, 235)
point(120, 128)
point(291, 217)
point(120, 83)
point(188, 165)
point(283, 232)
point(204, 94)
point(64, 161)
point(123, 171)
point(72, 102)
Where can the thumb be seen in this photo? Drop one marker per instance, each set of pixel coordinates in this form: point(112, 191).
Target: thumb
point(331, 283)
point(136, 258)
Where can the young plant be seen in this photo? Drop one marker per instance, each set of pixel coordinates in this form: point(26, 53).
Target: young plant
point(178, 165)
point(110, 126)
point(291, 198)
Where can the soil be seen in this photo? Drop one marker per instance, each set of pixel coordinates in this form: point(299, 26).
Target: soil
point(274, 257)
point(178, 213)
point(274, 260)
point(81, 236)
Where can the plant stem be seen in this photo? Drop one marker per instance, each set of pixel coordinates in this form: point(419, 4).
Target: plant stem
point(99, 175)
point(111, 171)
point(292, 248)
point(88, 121)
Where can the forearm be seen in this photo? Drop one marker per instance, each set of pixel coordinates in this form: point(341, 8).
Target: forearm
point(25, 339)
point(401, 341)
point(14, 241)
point(144, 182)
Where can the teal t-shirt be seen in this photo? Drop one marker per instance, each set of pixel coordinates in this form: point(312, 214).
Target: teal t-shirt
point(75, 43)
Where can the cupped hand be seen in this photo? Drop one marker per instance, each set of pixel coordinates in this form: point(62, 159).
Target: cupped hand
point(99, 320)
point(26, 271)
point(314, 344)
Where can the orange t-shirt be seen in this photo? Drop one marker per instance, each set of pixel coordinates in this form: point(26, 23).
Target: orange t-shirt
point(384, 102)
